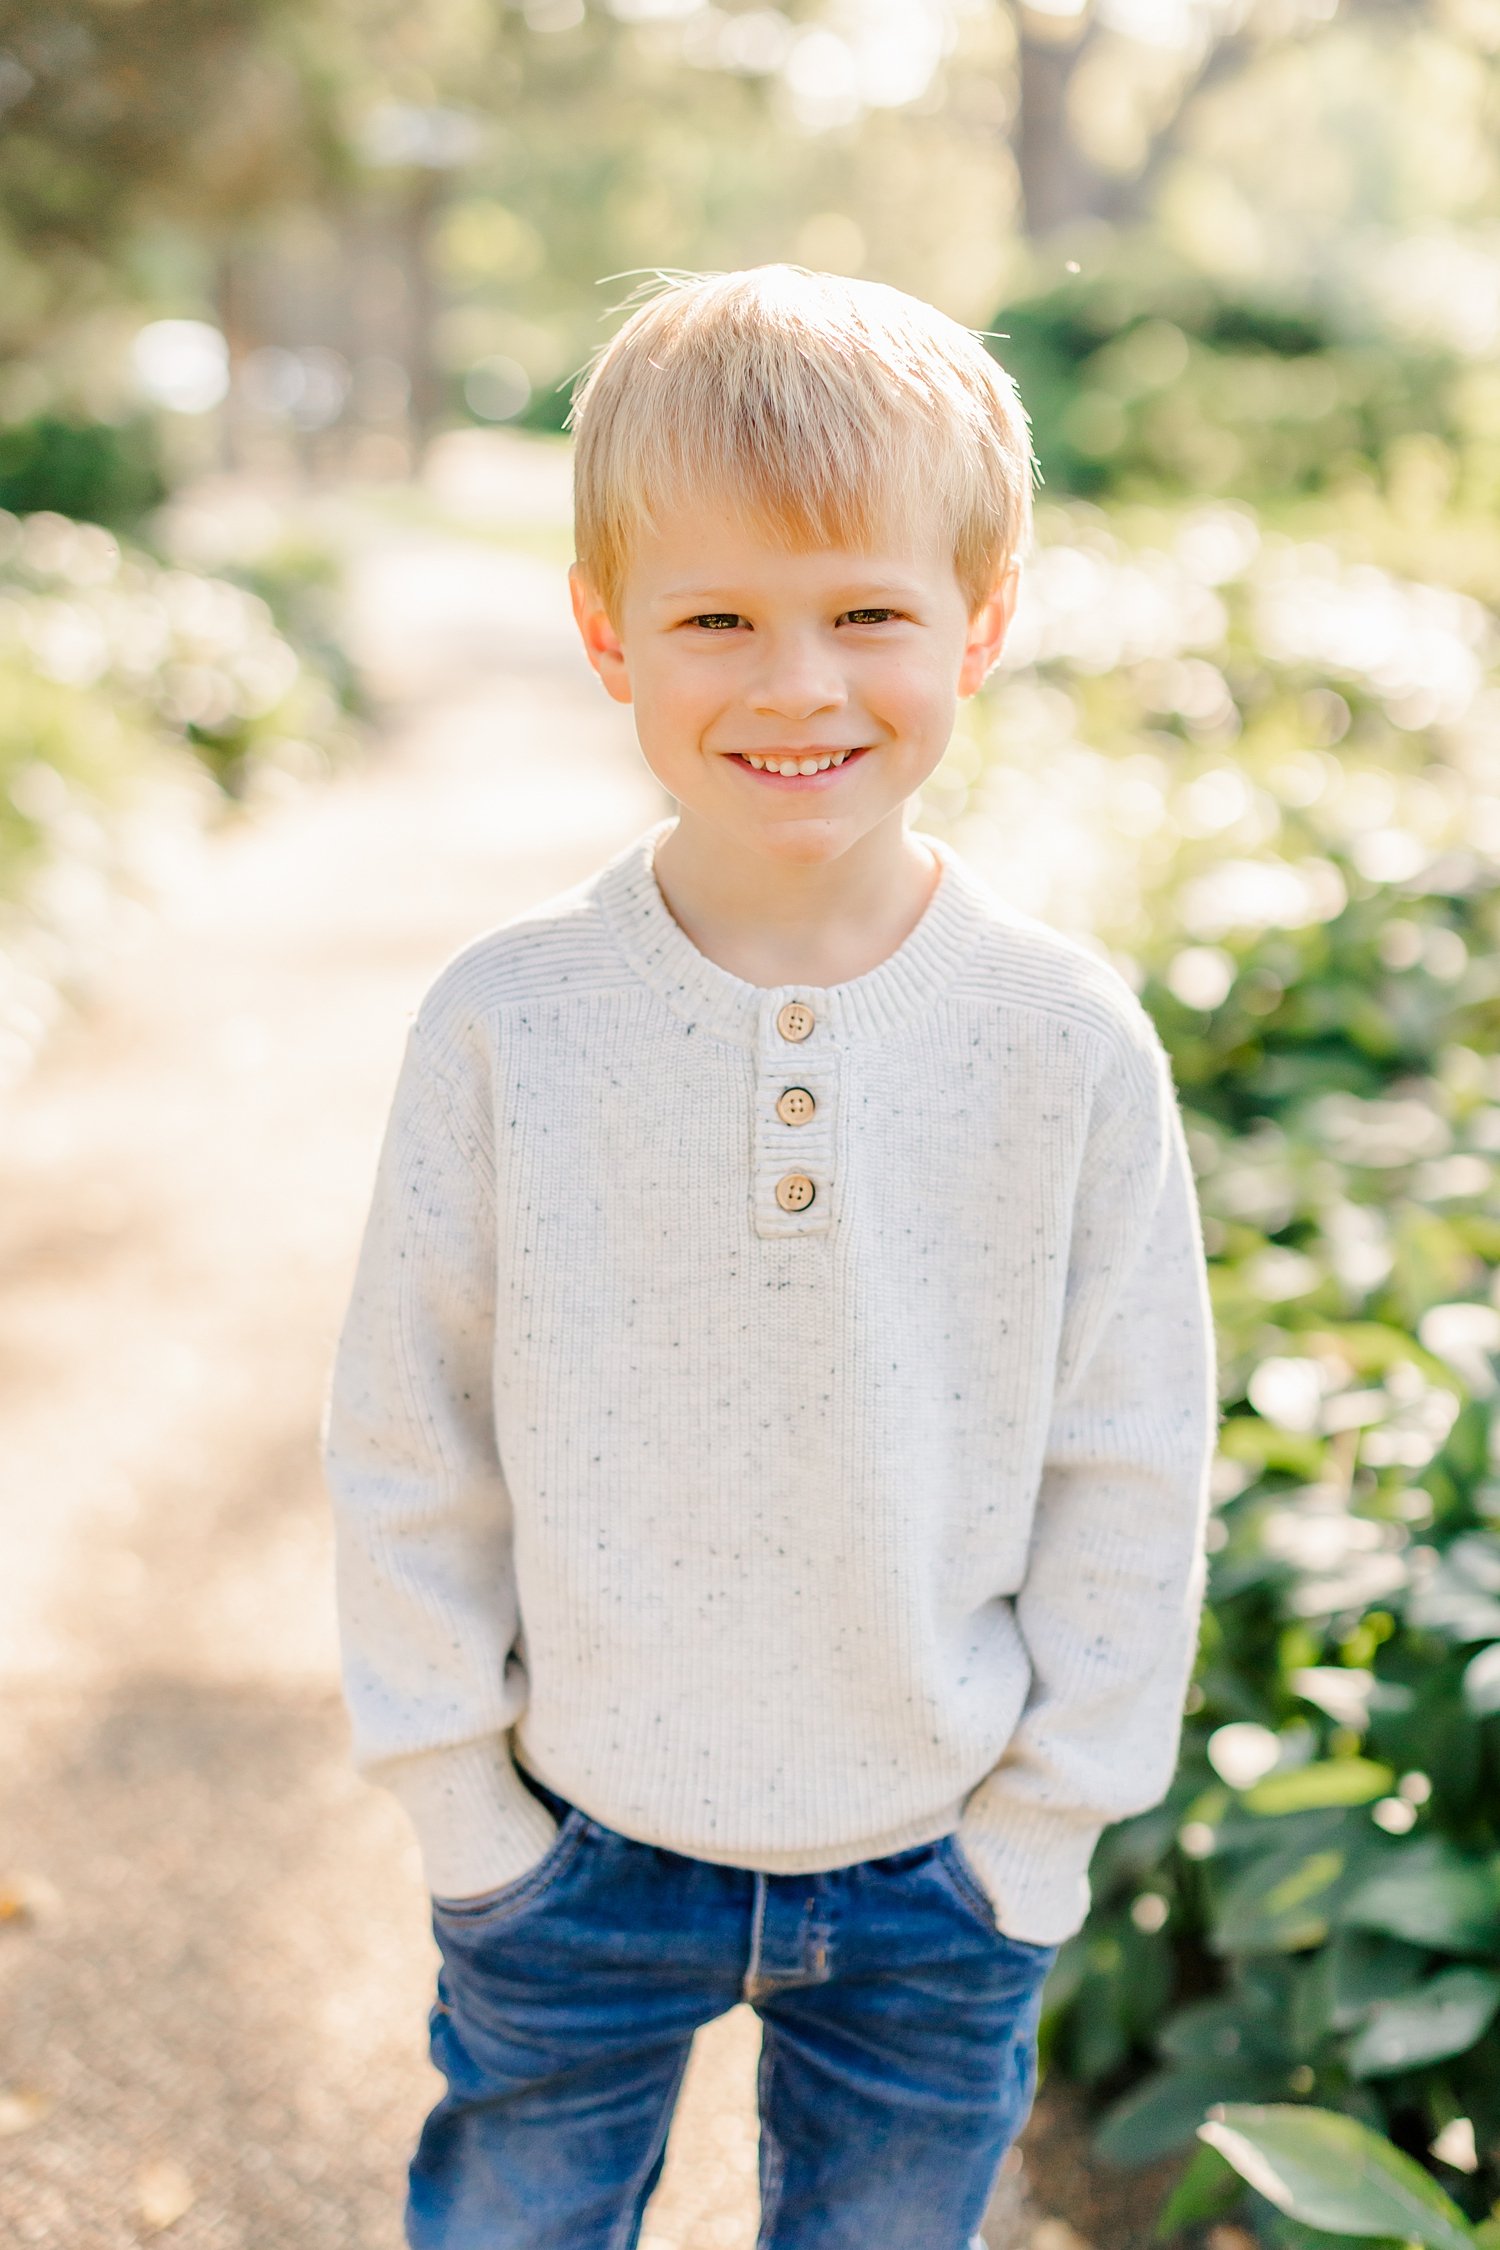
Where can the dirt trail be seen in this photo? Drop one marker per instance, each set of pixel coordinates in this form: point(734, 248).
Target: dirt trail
point(214, 2007)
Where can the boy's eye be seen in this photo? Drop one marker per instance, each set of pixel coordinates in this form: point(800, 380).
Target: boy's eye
point(717, 620)
point(869, 616)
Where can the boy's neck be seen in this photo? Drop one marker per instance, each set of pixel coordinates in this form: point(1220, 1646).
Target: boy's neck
point(775, 922)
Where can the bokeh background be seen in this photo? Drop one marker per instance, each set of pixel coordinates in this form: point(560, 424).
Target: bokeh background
point(291, 299)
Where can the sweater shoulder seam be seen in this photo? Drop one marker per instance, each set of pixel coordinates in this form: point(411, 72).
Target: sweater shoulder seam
point(1117, 1034)
point(467, 1141)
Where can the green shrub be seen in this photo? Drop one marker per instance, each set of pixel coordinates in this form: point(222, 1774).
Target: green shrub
point(1277, 777)
point(1143, 380)
point(100, 472)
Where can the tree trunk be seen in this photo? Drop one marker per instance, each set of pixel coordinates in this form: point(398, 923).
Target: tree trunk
point(1058, 184)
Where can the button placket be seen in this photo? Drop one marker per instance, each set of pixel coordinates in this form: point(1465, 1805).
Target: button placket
point(796, 1079)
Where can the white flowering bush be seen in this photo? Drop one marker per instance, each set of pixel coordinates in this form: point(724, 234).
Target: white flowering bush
point(1193, 719)
point(133, 699)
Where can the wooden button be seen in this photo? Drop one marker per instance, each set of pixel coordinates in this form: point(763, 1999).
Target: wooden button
point(795, 1106)
point(795, 1020)
point(795, 1191)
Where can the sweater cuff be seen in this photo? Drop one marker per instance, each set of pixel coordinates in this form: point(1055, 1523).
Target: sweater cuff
point(1033, 1863)
point(477, 1823)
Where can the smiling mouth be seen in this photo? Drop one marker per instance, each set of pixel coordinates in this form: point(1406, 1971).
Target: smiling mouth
point(786, 764)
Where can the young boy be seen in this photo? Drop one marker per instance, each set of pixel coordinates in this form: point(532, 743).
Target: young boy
point(768, 1440)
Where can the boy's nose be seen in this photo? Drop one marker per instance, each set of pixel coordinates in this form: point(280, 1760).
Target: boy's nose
point(797, 683)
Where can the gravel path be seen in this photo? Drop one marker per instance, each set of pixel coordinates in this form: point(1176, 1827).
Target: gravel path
point(214, 1947)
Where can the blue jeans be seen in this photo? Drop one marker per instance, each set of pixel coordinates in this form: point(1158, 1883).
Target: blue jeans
point(898, 2050)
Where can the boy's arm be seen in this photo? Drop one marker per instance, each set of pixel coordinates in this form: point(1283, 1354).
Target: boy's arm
point(1109, 1607)
point(422, 1519)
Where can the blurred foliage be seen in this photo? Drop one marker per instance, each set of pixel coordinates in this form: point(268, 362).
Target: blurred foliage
point(133, 697)
point(1270, 327)
point(1301, 757)
point(693, 162)
point(519, 155)
point(1148, 378)
point(115, 114)
point(299, 581)
point(100, 472)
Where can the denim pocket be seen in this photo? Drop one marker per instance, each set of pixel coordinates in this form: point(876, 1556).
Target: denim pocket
point(509, 1899)
point(965, 1883)
point(963, 1880)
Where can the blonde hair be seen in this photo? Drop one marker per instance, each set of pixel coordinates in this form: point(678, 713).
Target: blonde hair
point(826, 407)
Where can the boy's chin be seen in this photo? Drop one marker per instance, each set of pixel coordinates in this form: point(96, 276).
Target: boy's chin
point(791, 828)
point(792, 838)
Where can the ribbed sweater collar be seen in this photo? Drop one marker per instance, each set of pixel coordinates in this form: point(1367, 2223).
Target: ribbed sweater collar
point(866, 1007)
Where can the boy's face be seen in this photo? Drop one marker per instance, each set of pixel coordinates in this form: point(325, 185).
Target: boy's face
point(732, 649)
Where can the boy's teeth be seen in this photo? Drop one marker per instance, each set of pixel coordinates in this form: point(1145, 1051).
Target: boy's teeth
point(797, 765)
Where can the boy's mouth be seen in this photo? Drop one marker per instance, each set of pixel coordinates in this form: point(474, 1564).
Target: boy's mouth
point(786, 768)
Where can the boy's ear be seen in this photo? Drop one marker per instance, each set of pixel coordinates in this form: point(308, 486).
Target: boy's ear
point(601, 643)
point(987, 630)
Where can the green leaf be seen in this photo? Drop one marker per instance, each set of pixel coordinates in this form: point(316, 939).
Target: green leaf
point(1332, 1781)
point(1364, 1968)
point(1208, 2188)
point(1280, 1904)
point(1211, 2032)
point(1431, 1894)
point(1245, 1437)
point(1160, 2115)
point(1332, 2172)
point(1292, 1839)
point(1288, 2234)
point(1376, 1346)
point(1437, 1736)
point(1445, 2016)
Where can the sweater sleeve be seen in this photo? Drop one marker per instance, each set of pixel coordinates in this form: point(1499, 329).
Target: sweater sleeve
point(428, 1619)
point(1108, 1610)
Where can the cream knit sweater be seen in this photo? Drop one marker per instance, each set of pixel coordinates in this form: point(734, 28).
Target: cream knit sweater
point(778, 1531)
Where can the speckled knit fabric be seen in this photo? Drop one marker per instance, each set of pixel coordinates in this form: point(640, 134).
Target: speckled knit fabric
point(778, 1531)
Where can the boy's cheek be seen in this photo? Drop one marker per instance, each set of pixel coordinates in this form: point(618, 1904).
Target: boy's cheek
point(919, 700)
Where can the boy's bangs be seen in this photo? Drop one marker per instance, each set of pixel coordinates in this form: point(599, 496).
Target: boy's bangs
point(857, 500)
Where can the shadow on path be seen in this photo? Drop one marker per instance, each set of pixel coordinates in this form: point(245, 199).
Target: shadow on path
point(221, 1972)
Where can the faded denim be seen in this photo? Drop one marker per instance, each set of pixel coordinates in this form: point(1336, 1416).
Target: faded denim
point(897, 2064)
